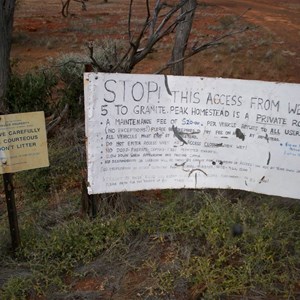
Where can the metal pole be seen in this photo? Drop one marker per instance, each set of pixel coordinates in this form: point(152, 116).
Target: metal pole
point(12, 211)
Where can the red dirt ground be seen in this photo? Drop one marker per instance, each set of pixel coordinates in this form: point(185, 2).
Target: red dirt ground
point(269, 52)
point(280, 18)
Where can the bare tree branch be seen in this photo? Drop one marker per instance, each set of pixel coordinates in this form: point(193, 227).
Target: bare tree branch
point(56, 121)
point(168, 16)
point(165, 27)
point(157, 8)
point(66, 4)
point(120, 62)
point(157, 24)
point(135, 44)
point(129, 21)
point(94, 61)
point(215, 42)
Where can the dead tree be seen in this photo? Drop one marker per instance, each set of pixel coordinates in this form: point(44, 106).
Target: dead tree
point(163, 20)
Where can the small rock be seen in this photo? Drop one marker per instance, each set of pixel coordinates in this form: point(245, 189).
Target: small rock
point(237, 229)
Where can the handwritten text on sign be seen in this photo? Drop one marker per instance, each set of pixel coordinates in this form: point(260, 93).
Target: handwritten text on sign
point(157, 132)
point(23, 142)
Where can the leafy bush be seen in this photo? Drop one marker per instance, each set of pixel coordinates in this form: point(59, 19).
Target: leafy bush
point(227, 21)
point(30, 92)
point(70, 72)
point(16, 288)
point(53, 254)
point(36, 183)
point(66, 161)
point(72, 66)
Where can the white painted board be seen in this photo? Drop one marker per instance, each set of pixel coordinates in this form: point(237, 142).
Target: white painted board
point(157, 132)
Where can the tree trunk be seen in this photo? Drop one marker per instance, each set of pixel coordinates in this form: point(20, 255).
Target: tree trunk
point(183, 31)
point(182, 35)
point(7, 8)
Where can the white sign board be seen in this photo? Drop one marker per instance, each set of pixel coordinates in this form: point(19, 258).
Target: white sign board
point(158, 132)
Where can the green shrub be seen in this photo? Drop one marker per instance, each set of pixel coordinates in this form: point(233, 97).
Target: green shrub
point(182, 240)
point(227, 21)
point(215, 263)
point(30, 92)
point(72, 66)
point(17, 288)
point(55, 253)
point(70, 72)
point(36, 183)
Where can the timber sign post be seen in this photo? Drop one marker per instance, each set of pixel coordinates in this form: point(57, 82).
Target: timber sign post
point(157, 132)
point(23, 146)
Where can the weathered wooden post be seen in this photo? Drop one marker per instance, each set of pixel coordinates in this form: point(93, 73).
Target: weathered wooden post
point(88, 202)
point(11, 210)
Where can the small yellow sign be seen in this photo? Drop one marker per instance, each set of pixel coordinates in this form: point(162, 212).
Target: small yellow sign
point(23, 142)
